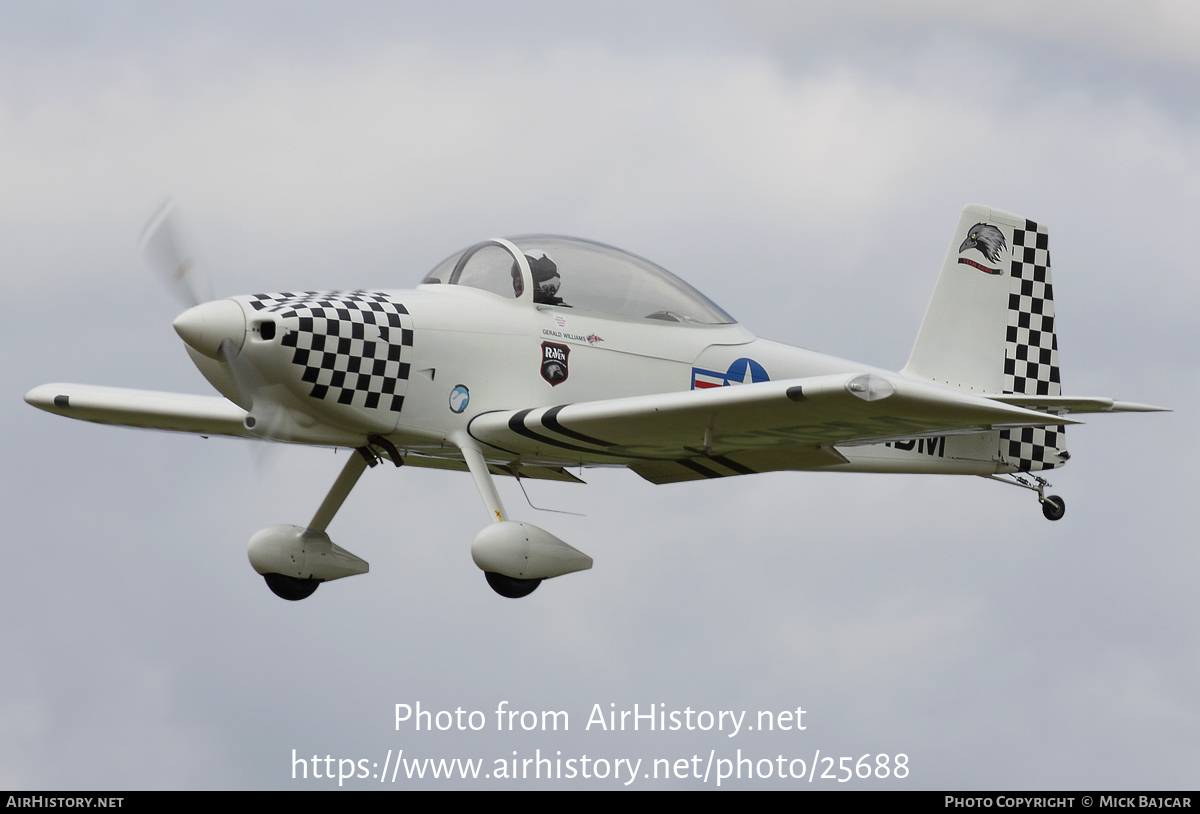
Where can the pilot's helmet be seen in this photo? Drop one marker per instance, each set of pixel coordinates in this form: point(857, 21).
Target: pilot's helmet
point(546, 280)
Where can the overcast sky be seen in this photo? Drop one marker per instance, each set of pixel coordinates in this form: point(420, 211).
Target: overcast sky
point(802, 164)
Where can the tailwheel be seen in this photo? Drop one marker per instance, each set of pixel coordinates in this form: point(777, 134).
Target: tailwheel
point(511, 587)
point(1054, 507)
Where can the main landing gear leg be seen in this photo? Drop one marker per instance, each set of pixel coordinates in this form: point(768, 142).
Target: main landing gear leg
point(506, 586)
point(473, 455)
point(1053, 506)
point(514, 557)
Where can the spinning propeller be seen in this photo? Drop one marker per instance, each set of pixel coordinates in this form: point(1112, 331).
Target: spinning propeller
point(214, 328)
point(166, 250)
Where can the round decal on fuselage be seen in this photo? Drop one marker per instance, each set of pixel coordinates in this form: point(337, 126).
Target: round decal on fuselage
point(459, 397)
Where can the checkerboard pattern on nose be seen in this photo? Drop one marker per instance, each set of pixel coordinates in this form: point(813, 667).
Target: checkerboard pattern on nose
point(355, 347)
point(1031, 347)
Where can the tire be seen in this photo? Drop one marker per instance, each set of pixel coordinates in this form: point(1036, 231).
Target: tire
point(291, 588)
point(511, 587)
point(1054, 507)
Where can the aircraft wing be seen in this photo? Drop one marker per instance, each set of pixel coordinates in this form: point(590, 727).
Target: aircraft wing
point(204, 415)
point(148, 409)
point(802, 418)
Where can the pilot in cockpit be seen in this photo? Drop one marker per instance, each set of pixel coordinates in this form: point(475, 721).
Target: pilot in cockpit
point(546, 281)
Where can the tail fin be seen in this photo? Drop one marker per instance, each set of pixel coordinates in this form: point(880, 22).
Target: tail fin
point(990, 325)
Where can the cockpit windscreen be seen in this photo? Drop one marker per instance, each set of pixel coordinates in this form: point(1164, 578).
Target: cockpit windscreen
point(583, 275)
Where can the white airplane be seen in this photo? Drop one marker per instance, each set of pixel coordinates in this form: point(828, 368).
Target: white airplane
point(531, 355)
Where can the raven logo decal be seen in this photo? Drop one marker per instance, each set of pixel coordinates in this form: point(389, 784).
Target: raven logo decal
point(554, 363)
point(988, 241)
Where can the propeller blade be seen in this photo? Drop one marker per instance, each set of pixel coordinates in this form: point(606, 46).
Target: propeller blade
point(167, 251)
point(271, 421)
point(170, 255)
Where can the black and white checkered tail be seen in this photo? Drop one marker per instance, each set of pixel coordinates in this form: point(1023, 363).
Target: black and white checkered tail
point(1031, 349)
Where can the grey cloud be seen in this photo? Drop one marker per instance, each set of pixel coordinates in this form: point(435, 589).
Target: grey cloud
point(939, 617)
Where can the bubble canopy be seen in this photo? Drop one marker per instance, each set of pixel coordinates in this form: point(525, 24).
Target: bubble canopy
point(568, 272)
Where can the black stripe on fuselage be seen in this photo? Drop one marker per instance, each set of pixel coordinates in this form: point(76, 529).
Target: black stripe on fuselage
point(489, 443)
point(517, 425)
point(550, 422)
point(733, 465)
point(700, 468)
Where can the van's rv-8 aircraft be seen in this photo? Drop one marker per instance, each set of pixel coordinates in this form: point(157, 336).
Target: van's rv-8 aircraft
point(531, 355)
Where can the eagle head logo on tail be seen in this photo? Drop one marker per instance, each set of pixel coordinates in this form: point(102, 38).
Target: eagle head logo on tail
point(987, 239)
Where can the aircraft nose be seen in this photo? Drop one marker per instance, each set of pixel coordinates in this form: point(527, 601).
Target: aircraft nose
point(206, 326)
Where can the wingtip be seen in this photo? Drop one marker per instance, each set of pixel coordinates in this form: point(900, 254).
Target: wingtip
point(42, 396)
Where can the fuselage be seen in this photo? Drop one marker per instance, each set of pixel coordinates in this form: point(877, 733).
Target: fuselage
point(505, 327)
point(459, 352)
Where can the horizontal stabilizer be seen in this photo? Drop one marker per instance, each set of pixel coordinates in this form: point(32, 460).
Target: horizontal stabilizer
point(147, 409)
point(1077, 404)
